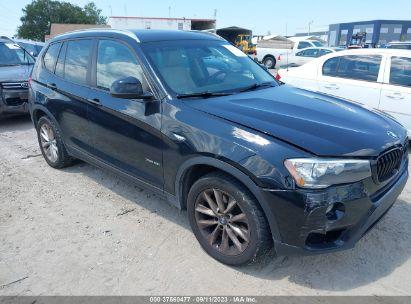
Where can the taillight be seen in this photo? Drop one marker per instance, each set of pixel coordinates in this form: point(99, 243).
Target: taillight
point(278, 77)
point(279, 57)
point(255, 52)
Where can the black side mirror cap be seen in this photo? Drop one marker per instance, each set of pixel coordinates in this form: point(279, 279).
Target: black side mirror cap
point(129, 88)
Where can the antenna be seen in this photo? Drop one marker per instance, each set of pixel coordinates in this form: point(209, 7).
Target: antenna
point(287, 51)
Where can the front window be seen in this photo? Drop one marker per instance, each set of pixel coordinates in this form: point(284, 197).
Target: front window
point(12, 54)
point(196, 66)
point(116, 61)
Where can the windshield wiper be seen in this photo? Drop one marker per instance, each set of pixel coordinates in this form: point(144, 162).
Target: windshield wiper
point(257, 86)
point(202, 94)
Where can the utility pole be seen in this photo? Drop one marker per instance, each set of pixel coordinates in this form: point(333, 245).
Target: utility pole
point(169, 11)
point(215, 20)
point(309, 27)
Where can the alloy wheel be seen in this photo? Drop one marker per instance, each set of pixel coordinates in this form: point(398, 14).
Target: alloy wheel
point(269, 63)
point(222, 222)
point(49, 142)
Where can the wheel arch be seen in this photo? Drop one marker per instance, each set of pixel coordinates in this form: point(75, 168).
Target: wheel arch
point(187, 175)
point(39, 111)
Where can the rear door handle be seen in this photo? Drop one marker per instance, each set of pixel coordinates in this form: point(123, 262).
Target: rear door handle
point(396, 95)
point(94, 101)
point(52, 86)
point(331, 86)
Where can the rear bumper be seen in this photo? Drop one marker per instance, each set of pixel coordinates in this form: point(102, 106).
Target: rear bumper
point(306, 228)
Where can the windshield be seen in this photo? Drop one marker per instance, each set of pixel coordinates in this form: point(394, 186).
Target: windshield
point(317, 43)
point(197, 66)
point(12, 54)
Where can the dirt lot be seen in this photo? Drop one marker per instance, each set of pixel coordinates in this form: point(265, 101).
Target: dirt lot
point(84, 231)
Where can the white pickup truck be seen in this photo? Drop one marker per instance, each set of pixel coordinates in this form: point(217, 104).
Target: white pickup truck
point(267, 52)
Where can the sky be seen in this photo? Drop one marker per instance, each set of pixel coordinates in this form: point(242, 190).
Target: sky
point(262, 16)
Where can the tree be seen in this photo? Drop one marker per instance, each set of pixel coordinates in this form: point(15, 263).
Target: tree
point(40, 14)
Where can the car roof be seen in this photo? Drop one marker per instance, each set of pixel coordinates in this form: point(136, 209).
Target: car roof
point(140, 35)
point(6, 40)
point(374, 51)
point(29, 41)
point(399, 42)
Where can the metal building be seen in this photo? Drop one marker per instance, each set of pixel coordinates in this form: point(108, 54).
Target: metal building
point(378, 32)
point(161, 23)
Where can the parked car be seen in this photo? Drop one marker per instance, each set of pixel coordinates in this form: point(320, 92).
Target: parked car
point(269, 56)
point(377, 78)
point(303, 56)
point(33, 47)
point(254, 163)
point(402, 45)
point(15, 68)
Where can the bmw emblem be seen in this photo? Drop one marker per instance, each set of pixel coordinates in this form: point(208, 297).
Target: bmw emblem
point(392, 134)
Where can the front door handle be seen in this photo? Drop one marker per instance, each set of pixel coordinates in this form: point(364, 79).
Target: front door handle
point(94, 101)
point(52, 86)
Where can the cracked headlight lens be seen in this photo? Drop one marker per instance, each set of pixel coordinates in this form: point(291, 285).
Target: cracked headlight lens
point(319, 173)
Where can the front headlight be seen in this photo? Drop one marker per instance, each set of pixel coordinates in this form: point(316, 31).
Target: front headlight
point(321, 173)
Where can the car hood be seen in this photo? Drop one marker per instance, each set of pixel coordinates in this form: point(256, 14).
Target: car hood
point(318, 123)
point(15, 73)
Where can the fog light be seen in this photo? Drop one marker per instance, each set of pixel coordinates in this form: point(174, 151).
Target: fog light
point(335, 211)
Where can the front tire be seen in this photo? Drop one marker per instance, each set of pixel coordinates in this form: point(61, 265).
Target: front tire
point(51, 144)
point(269, 62)
point(227, 221)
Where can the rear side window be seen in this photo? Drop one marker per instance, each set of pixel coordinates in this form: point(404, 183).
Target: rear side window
point(359, 67)
point(324, 52)
point(330, 66)
point(304, 45)
point(78, 56)
point(400, 46)
point(400, 73)
point(356, 67)
point(51, 56)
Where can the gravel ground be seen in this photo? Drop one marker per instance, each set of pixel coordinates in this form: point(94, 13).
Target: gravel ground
point(84, 231)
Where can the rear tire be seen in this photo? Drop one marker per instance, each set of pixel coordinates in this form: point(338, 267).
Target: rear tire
point(51, 144)
point(269, 62)
point(227, 221)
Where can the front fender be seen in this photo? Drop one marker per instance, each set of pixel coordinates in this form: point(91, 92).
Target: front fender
point(235, 172)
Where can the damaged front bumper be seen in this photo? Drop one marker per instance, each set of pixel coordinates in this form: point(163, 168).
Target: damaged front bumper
point(321, 221)
point(13, 98)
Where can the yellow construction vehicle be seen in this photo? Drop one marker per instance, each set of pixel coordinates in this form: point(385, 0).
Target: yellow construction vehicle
point(244, 43)
point(239, 37)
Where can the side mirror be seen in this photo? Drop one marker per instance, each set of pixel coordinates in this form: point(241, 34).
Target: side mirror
point(129, 88)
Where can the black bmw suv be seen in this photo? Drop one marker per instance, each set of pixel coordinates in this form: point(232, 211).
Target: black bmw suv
point(255, 164)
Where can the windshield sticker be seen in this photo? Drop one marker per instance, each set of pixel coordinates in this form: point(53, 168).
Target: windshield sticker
point(234, 50)
point(12, 46)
